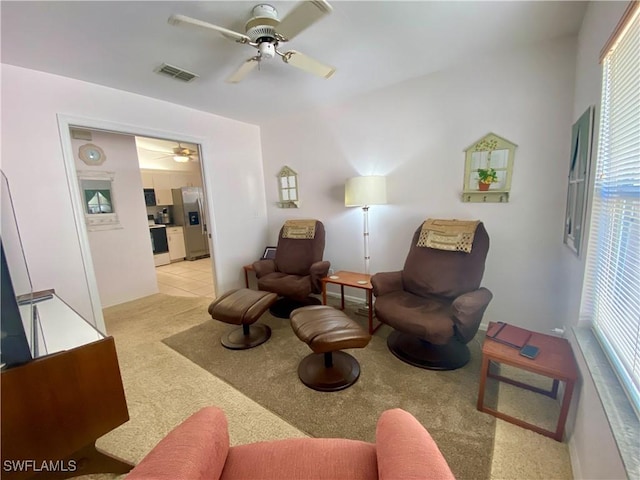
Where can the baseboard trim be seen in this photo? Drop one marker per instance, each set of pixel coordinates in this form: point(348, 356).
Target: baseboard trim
point(348, 298)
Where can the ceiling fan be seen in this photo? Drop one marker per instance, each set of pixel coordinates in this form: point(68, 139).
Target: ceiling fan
point(264, 31)
point(180, 154)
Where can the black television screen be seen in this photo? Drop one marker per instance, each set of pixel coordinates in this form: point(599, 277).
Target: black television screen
point(14, 346)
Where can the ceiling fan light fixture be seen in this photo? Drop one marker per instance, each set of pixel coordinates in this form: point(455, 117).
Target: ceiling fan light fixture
point(181, 158)
point(264, 10)
point(267, 50)
point(264, 31)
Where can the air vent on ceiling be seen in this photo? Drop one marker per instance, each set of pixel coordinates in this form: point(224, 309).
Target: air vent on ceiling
point(81, 134)
point(176, 72)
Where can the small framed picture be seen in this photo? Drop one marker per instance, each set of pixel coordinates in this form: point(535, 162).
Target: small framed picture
point(269, 253)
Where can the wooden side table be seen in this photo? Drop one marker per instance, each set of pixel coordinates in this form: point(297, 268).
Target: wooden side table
point(355, 280)
point(555, 360)
point(247, 269)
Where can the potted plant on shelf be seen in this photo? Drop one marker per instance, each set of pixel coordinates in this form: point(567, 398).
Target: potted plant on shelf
point(486, 176)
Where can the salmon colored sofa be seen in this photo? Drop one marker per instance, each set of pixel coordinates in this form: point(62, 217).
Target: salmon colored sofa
point(199, 449)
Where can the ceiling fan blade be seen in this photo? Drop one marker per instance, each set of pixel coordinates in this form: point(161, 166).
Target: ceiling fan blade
point(244, 70)
point(308, 64)
point(302, 16)
point(154, 150)
point(188, 21)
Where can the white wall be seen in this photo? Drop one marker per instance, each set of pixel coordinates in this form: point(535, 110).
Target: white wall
point(122, 257)
point(32, 159)
point(593, 449)
point(415, 133)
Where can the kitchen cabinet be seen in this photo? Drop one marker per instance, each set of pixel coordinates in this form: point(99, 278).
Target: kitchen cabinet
point(147, 179)
point(163, 196)
point(163, 181)
point(175, 238)
point(183, 179)
point(186, 179)
point(162, 184)
point(196, 181)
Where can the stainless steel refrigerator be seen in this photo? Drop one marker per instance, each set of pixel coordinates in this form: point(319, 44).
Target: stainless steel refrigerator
point(189, 213)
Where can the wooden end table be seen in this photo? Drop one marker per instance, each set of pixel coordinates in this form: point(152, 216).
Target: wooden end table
point(555, 360)
point(355, 280)
point(247, 269)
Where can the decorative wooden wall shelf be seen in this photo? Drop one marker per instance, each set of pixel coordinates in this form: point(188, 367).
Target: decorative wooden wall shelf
point(489, 158)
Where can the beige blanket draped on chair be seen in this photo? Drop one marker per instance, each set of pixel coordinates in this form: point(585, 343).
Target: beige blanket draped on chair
point(299, 229)
point(452, 235)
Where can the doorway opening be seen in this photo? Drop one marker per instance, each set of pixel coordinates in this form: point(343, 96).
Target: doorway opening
point(118, 258)
point(171, 169)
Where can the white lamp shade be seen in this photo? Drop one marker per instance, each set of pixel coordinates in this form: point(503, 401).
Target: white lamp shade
point(365, 191)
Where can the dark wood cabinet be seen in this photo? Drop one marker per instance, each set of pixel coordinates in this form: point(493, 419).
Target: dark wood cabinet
point(55, 407)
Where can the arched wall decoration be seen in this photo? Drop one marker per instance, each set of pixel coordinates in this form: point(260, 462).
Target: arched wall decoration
point(488, 170)
point(288, 188)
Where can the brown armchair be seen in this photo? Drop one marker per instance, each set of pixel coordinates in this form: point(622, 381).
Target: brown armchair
point(296, 271)
point(435, 304)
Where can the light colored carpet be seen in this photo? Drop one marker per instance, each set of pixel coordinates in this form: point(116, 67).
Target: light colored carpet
point(444, 402)
point(163, 388)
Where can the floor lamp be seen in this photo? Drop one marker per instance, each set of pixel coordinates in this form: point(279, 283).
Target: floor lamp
point(364, 192)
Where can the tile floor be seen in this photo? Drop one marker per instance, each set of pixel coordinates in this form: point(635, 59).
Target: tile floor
point(187, 278)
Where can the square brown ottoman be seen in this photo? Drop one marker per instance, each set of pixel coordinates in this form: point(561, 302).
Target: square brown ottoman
point(327, 331)
point(243, 307)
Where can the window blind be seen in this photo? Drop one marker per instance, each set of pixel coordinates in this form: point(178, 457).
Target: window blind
point(611, 302)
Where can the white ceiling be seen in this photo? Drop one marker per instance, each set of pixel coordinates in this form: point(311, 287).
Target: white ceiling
point(372, 44)
point(156, 153)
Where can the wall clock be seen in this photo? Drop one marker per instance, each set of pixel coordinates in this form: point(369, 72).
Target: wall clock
point(91, 154)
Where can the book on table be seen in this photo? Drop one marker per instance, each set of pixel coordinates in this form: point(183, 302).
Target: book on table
point(511, 335)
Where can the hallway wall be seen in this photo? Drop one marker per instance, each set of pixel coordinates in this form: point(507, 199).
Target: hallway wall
point(32, 159)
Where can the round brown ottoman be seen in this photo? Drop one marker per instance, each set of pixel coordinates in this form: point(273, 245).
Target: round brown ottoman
point(327, 331)
point(243, 307)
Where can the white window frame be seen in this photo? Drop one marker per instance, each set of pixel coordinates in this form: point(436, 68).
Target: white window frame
point(609, 307)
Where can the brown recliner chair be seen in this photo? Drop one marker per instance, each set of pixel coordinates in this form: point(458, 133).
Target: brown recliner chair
point(296, 271)
point(435, 304)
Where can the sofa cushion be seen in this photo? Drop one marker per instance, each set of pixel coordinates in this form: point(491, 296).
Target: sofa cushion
point(297, 458)
point(406, 451)
point(424, 317)
point(292, 286)
point(194, 450)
